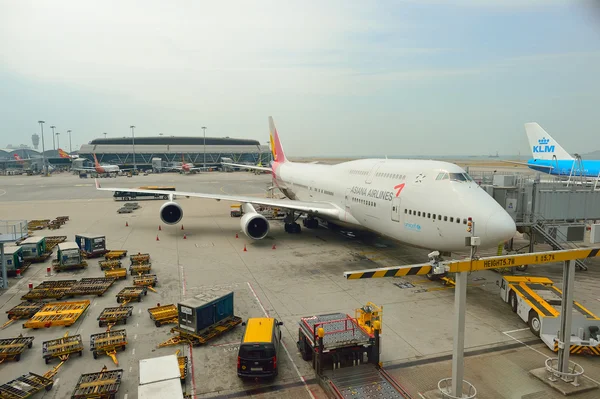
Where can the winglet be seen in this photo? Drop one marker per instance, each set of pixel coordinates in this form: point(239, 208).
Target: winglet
point(276, 146)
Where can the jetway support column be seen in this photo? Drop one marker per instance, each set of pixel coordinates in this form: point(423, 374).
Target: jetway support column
point(566, 311)
point(458, 351)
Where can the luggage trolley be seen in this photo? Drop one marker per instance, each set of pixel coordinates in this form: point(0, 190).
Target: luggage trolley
point(116, 273)
point(129, 294)
point(165, 314)
point(57, 314)
point(107, 343)
point(25, 386)
point(109, 264)
point(139, 258)
point(102, 385)
point(49, 290)
point(24, 310)
point(140, 268)
point(115, 254)
point(62, 348)
point(147, 280)
point(112, 316)
point(11, 348)
point(90, 286)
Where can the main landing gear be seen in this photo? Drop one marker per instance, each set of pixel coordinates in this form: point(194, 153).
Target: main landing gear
point(290, 224)
point(310, 223)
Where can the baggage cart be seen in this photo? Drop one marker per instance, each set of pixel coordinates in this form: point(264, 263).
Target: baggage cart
point(57, 314)
point(116, 315)
point(117, 273)
point(145, 280)
point(165, 314)
point(109, 264)
point(139, 258)
point(11, 348)
point(58, 267)
point(107, 343)
point(91, 245)
point(62, 348)
point(102, 385)
point(53, 241)
point(25, 386)
point(129, 294)
point(196, 339)
point(49, 290)
point(90, 286)
point(183, 367)
point(38, 224)
point(115, 254)
point(139, 269)
point(24, 310)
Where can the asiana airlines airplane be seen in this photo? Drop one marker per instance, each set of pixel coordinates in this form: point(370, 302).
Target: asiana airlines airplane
point(425, 204)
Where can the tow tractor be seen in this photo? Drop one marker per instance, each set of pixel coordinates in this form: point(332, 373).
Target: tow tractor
point(537, 301)
point(345, 354)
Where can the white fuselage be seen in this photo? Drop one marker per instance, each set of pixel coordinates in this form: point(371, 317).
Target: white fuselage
point(409, 200)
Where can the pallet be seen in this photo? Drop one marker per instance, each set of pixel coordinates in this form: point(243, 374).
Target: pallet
point(140, 269)
point(107, 343)
point(25, 386)
point(196, 339)
point(57, 314)
point(115, 254)
point(129, 294)
point(112, 316)
point(146, 280)
point(53, 241)
point(61, 268)
point(165, 314)
point(117, 274)
point(102, 385)
point(109, 264)
point(62, 348)
point(49, 290)
point(24, 310)
point(90, 286)
point(11, 348)
point(39, 259)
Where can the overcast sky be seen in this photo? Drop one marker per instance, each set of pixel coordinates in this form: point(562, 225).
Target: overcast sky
point(343, 77)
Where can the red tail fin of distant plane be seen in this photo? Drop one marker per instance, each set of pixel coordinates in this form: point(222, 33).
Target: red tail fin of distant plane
point(17, 157)
point(95, 160)
point(276, 146)
point(62, 153)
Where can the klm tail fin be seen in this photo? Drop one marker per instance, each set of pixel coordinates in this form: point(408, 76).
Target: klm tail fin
point(276, 146)
point(542, 145)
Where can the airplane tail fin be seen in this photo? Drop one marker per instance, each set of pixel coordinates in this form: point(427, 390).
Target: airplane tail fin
point(276, 146)
point(542, 145)
point(95, 160)
point(17, 157)
point(62, 153)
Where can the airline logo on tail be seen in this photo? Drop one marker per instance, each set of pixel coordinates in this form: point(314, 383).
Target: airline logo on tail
point(62, 153)
point(276, 147)
point(543, 146)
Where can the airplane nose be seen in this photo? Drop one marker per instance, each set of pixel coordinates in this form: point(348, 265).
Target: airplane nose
point(500, 227)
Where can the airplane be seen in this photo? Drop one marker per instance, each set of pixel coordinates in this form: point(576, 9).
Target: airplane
point(63, 154)
point(102, 169)
point(423, 203)
point(187, 167)
point(550, 157)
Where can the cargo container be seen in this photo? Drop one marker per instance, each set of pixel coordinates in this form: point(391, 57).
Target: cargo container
point(13, 257)
point(91, 244)
point(33, 247)
point(204, 310)
point(158, 369)
point(160, 390)
point(68, 254)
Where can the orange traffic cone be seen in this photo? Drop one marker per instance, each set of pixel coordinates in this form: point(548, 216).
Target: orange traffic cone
point(273, 247)
point(159, 228)
point(181, 227)
point(245, 250)
point(184, 236)
point(236, 235)
point(157, 238)
point(126, 224)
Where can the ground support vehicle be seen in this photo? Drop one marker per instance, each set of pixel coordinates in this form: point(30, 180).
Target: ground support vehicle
point(49, 290)
point(115, 254)
point(90, 286)
point(116, 315)
point(62, 348)
point(24, 310)
point(117, 274)
point(129, 294)
point(102, 385)
point(11, 348)
point(345, 357)
point(204, 336)
point(139, 269)
point(139, 258)
point(146, 280)
point(538, 301)
point(38, 224)
point(183, 366)
point(91, 245)
point(25, 386)
point(107, 343)
point(236, 211)
point(165, 314)
point(109, 264)
point(57, 314)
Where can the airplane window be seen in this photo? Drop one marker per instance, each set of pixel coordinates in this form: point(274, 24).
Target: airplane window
point(434, 216)
point(458, 220)
point(445, 218)
point(451, 219)
point(464, 221)
point(439, 217)
point(429, 215)
point(419, 213)
point(469, 178)
point(458, 177)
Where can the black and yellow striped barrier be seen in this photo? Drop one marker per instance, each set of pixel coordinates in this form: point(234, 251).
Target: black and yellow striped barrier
point(488, 263)
point(581, 349)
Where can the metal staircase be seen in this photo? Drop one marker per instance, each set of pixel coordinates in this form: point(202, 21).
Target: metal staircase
point(558, 240)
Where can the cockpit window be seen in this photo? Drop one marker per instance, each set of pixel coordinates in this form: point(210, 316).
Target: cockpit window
point(442, 176)
point(460, 177)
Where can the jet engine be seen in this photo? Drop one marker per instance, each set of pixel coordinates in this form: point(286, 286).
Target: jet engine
point(255, 225)
point(171, 212)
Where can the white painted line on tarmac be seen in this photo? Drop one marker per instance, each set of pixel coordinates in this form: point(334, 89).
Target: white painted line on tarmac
point(95, 303)
point(130, 368)
point(284, 346)
point(3, 192)
point(513, 331)
point(133, 351)
point(140, 311)
point(125, 396)
point(137, 325)
point(56, 382)
point(135, 336)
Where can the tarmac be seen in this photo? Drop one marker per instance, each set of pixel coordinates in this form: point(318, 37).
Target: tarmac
point(283, 276)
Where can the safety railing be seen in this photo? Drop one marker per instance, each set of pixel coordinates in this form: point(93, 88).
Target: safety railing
point(574, 371)
point(445, 388)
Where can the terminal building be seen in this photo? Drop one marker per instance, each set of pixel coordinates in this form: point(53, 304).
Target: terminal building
point(171, 150)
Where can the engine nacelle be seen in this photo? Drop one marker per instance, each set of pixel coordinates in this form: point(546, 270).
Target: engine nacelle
point(171, 213)
point(255, 225)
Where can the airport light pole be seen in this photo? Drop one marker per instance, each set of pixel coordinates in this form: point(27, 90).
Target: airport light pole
point(53, 145)
point(44, 169)
point(104, 134)
point(204, 142)
point(70, 146)
point(133, 145)
point(57, 140)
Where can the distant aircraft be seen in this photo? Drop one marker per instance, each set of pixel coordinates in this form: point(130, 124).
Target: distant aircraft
point(187, 167)
point(427, 204)
point(63, 154)
point(102, 169)
point(550, 157)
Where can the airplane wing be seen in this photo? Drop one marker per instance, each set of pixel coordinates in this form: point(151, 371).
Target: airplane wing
point(313, 208)
point(247, 166)
point(529, 164)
